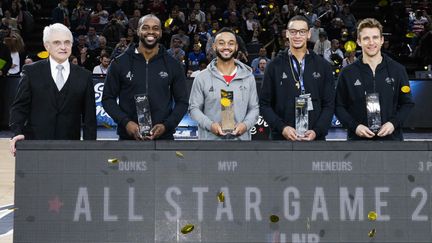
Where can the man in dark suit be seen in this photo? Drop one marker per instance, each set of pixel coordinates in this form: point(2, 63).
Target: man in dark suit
point(54, 96)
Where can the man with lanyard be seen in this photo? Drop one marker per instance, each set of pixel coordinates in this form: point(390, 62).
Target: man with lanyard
point(373, 75)
point(298, 73)
point(146, 70)
point(224, 73)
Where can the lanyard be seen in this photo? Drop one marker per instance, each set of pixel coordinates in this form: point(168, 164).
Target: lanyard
point(299, 71)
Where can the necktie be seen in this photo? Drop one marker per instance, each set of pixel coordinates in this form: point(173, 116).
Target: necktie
point(59, 79)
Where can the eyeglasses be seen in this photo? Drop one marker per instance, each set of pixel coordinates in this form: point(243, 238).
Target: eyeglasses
point(302, 32)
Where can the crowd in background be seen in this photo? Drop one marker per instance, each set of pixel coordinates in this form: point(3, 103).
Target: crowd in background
point(104, 29)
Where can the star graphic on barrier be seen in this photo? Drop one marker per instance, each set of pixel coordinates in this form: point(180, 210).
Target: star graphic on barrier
point(55, 204)
point(261, 129)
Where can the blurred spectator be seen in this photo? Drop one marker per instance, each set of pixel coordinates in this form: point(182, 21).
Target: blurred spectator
point(176, 50)
point(184, 39)
point(8, 22)
point(330, 53)
point(157, 7)
point(102, 47)
point(113, 31)
point(192, 24)
point(350, 58)
point(202, 66)
point(131, 36)
point(326, 14)
point(60, 14)
point(310, 14)
point(78, 45)
point(80, 18)
point(16, 46)
point(334, 30)
point(99, 17)
point(73, 59)
point(120, 47)
point(121, 18)
point(84, 59)
point(259, 72)
point(262, 54)
point(199, 14)
point(103, 65)
point(92, 39)
point(348, 18)
point(133, 22)
point(418, 23)
point(119, 6)
point(322, 44)
point(315, 30)
point(17, 13)
point(195, 57)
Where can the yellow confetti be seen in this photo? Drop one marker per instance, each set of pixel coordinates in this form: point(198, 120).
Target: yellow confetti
point(338, 70)
point(168, 22)
point(274, 218)
point(372, 233)
point(43, 54)
point(113, 161)
point(225, 102)
point(187, 228)
point(220, 19)
point(405, 89)
point(221, 197)
point(179, 154)
point(271, 6)
point(410, 35)
point(372, 216)
point(213, 31)
point(13, 209)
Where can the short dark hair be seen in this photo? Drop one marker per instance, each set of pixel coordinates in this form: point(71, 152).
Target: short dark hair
point(299, 18)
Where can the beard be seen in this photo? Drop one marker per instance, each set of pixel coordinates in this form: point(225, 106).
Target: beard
point(225, 59)
point(147, 45)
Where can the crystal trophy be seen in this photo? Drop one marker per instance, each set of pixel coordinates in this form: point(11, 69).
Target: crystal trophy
point(143, 112)
point(373, 110)
point(301, 116)
point(227, 111)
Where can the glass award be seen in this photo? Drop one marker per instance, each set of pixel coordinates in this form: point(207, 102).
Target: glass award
point(373, 110)
point(227, 111)
point(143, 113)
point(301, 116)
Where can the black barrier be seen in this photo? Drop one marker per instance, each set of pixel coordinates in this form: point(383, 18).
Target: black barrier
point(92, 191)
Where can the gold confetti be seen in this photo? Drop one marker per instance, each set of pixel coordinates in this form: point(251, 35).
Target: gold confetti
point(43, 54)
point(372, 216)
point(338, 70)
point(271, 6)
point(221, 197)
point(405, 89)
point(13, 209)
point(372, 233)
point(410, 35)
point(179, 154)
point(213, 31)
point(187, 228)
point(274, 218)
point(225, 102)
point(168, 22)
point(113, 161)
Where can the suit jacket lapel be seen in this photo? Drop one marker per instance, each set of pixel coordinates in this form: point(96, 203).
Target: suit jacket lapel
point(49, 82)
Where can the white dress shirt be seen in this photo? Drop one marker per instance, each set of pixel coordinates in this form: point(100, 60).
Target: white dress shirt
point(65, 72)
